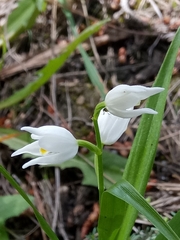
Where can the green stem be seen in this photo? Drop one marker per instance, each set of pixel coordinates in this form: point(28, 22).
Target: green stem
point(89, 146)
point(99, 173)
point(98, 158)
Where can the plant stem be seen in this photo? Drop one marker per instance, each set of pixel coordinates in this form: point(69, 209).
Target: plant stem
point(98, 158)
point(98, 161)
point(90, 146)
point(99, 173)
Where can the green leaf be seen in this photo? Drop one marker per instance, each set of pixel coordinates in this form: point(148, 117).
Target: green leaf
point(125, 192)
point(47, 229)
point(93, 73)
point(22, 18)
point(14, 139)
point(174, 223)
point(112, 172)
point(53, 65)
point(143, 151)
point(3, 232)
point(12, 206)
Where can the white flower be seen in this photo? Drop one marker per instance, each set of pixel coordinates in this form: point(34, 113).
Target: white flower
point(123, 97)
point(111, 127)
point(53, 145)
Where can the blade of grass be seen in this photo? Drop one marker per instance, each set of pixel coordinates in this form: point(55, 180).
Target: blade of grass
point(53, 65)
point(23, 17)
point(174, 223)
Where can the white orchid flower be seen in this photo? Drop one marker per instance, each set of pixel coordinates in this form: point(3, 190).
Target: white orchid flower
point(122, 98)
point(111, 127)
point(53, 145)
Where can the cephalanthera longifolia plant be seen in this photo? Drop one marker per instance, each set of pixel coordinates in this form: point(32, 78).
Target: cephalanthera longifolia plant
point(119, 204)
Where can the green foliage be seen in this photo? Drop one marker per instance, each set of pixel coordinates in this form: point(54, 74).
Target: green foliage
point(93, 73)
point(11, 206)
point(3, 232)
point(174, 223)
point(127, 193)
point(142, 154)
point(112, 170)
point(53, 65)
point(22, 18)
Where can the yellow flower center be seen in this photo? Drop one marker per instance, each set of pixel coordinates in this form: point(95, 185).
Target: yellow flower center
point(43, 151)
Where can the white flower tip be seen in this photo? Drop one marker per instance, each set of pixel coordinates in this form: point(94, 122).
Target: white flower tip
point(159, 89)
point(24, 128)
point(149, 111)
point(155, 112)
point(25, 165)
point(28, 164)
point(15, 153)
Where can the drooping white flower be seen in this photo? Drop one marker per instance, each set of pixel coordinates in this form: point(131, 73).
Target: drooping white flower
point(120, 99)
point(111, 127)
point(53, 145)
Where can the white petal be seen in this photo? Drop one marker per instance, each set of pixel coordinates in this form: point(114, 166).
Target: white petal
point(41, 131)
point(52, 159)
point(125, 96)
point(131, 113)
point(111, 127)
point(32, 148)
point(122, 97)
point(124, 102)
point(54, 143)
point(149, 91)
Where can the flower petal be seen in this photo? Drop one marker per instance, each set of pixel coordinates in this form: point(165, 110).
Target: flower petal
point(32, 148)
point(124, 102)
point(54, 143)
point(148, 91)
point(131, 113)
point(111, 127)
point(50, 129)
point(51, 159)
point(121, 96)
point(125, 96)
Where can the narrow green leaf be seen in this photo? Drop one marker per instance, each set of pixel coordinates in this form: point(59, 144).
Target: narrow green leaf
point(53, 65)
point(174, 223)
point(143, 151)
point(93, 73)
point(126, 192)
point(39, 217)
point(22, 18)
